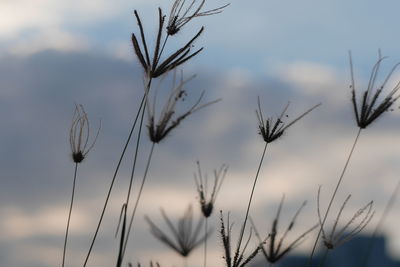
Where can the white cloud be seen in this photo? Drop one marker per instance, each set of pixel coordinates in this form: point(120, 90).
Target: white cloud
point(309, 76)
point(50, 39)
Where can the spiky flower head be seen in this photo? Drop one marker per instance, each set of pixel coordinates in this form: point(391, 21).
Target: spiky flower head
point(181, 14)
point(167, 120)
point(156, 67)
point(371, 106)
point(206, 201)
point(271, 129)
point(274, 250)
point(238, 259)
point(338, 236)
point(79, 135)
point(185, 236)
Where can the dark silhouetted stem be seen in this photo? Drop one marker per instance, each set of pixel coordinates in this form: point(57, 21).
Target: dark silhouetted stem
point(388, 207)
point(69, 214)
point(205, 242)
point(138, 199)
point(116, 172)
point(333, 196)
point(250, 199)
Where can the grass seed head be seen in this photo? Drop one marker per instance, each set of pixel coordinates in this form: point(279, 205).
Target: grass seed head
point(185, 236)
point(167, 120)
point(356, 224)
point(271, 129)
point(79, 135)
point(272, 248)
point(156, 67)
point(207, 201)
point(181, 14)
point(238, 259)
point(371, 106)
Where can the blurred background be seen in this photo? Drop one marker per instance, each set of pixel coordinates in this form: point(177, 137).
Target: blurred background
point(55, 53)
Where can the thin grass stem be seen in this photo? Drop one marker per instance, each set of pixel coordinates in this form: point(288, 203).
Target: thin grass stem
point(388, 207)
point(205, 242)
point(142, 103)
point(250, 199)
point(138, 199)
point(334, 195)
point(69, 214)
point(143, 110)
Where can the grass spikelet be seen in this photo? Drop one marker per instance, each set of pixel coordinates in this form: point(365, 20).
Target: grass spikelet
point(185, 236)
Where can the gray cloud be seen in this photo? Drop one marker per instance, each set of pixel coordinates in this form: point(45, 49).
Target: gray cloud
point(36, 106)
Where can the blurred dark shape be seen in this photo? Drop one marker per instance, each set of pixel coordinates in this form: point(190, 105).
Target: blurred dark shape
point(351, 254)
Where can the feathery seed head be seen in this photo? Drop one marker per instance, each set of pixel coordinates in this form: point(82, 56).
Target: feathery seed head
point(369, 108)
point(79, 135)
point(156, 67)
point(185, 237)
point(337, 237)
point(273, 251)
point(238, 259)
point(271, 129)
point(181, 15)
point(207, 202)
point(158, 130)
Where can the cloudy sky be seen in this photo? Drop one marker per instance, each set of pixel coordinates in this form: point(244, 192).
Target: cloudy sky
point(55, 53)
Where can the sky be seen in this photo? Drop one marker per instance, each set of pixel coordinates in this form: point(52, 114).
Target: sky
point(56, 53)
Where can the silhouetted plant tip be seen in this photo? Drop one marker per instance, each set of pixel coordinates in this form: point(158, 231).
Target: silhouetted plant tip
point(155, 67)
point(160, 129)
point(206, 201)
point(337, 237)
point(370, 107)
point(79, 135)
point(271, 129)
point(238, 259)
point(181, 14)
point(274, 250)
point(185, 236)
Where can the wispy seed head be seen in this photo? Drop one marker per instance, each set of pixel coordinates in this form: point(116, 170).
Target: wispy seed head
point(79, 135)
point(271, 129)
point(370, 107)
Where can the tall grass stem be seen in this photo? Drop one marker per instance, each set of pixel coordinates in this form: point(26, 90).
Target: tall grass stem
point(142, 103)
point(334, 195)
point(69, 214)
point(250, 199)
point(138, 198)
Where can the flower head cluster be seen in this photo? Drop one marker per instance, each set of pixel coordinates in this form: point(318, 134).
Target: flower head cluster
point(185, 237)
point(79, 135)
point(207, 202)
point(271, 129)
point(156, 67)
point(370, 107)
point(238, 259)
point(274, 250)
point(167, 120)
point(337, 237)
point(181, 14)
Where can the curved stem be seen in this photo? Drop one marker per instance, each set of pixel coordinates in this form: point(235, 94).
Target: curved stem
point(115, 175)
point(138, 199)
point(69, 214)
point(334, 195)
point(388, 207)
point(250, 199)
